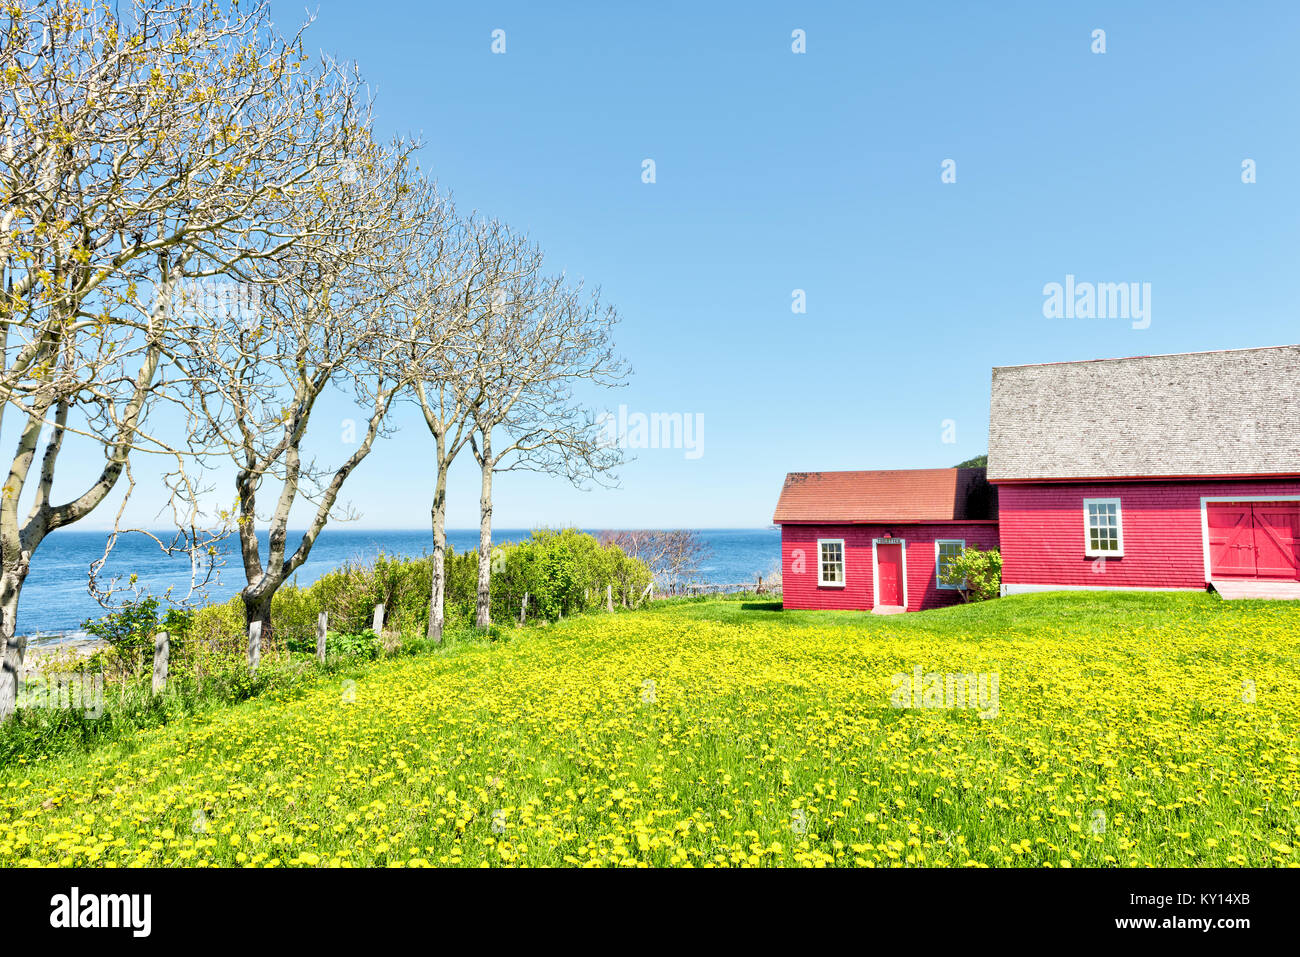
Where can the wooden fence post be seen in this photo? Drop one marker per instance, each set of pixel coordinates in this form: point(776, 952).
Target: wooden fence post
point(161, 654)
point(322, 625)
point(254, 645)
point(378, 622)
point(523, 609)
point(609, 597)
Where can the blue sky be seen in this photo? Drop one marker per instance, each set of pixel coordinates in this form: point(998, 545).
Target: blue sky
point(820, 171)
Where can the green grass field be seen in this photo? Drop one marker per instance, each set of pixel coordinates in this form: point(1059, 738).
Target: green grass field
point(1130, 729)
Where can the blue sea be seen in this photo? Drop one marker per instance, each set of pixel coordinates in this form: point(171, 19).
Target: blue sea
point(56, 599)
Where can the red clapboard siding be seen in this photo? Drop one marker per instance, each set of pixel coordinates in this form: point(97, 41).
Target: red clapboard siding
point(1042, 531)
point(799, 563)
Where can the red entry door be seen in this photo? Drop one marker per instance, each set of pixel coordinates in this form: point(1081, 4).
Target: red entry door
point(1254, 540)
point(889, 566)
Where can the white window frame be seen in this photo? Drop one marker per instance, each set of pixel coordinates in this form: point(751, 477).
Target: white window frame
point(1088, 550)
point(844, 563)
point(945, 541)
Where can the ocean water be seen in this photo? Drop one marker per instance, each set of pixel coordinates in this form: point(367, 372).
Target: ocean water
point(56, 598)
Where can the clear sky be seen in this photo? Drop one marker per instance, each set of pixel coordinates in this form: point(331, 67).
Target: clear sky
point(823, 171)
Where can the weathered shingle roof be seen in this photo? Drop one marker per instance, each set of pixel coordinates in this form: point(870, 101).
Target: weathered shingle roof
point(1198, 413)
point(910, 495)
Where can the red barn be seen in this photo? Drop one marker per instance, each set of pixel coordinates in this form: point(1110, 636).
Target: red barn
point(1154, 472)
point(875, 540)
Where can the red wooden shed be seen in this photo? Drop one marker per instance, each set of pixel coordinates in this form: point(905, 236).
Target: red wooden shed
point(1151, 472)
point(875, 540)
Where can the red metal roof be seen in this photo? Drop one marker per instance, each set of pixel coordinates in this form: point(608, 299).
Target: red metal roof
point(903, 495)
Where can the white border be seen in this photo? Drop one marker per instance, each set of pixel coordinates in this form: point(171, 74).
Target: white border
point(875, 569)
point(1205, 517)
point(945, 541)
point(1088, 550)
point(844, 564)
point(1026, 589)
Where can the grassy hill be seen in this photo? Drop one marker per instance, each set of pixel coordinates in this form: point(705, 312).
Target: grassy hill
point(1127, 729)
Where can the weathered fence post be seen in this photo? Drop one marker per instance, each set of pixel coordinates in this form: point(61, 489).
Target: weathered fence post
point(322, 625)
point(254, 645)
point(161, 654)
point(609, 597)
point(523, 609)
point(378, 623)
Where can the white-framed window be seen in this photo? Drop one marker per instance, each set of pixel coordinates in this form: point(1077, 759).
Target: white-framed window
point(830, 562)
point(1103, 528)
point(945, 550)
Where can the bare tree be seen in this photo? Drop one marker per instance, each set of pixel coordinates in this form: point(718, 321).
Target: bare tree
point(129, 147)
point(332, 318)
point(537, 339)
point(449, 291)
point(673, 555)
point(449, 416)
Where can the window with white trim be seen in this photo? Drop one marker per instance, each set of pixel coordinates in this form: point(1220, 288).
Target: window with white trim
point(945, 550)
point(1103, 528)
point(830, 562)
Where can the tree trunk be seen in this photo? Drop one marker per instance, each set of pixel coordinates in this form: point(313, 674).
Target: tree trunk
point(258, 609)
point(11, 648)
point(483, 612)
point(438, 589)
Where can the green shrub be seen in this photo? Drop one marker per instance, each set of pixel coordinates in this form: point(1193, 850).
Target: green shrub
point(219, 629)
point(562, 572)
point(293, 615)
point(364, 645)
point(976, 573)
point(129, 632)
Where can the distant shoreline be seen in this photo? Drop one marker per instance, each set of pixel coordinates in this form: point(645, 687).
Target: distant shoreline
point(56, 603)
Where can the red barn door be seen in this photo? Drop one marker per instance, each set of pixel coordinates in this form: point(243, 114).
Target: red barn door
point(1232, 540)
point(889, 568)
point(1254, 539)
point(1277, 539)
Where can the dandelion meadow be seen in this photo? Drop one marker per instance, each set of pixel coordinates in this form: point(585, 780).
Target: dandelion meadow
point(1130, 730)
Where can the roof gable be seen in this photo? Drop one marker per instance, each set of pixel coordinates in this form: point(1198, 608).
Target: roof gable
point(1201, 413)
point(904, 495)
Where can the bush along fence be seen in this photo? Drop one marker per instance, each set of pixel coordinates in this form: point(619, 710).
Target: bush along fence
point(157, 664)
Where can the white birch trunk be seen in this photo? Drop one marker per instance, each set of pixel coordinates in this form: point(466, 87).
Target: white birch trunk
point(438, 587)
point(483, 612)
